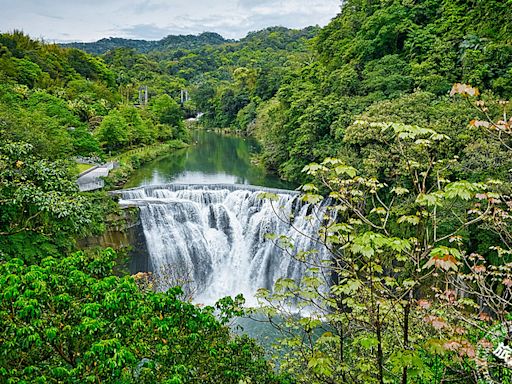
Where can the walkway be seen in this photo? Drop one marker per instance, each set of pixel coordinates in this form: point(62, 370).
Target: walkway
point(92, 178)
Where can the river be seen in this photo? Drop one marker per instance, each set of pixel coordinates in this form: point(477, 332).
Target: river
point(212, 159)
point(206, 226)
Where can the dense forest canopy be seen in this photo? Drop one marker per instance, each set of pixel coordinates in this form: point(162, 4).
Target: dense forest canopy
point(64, 314)
point(397, 110)
point(371, 52)
point(144, 46)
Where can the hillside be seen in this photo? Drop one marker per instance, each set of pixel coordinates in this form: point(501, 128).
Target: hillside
point(391, 263)
point(372, 54)
point(144, 46)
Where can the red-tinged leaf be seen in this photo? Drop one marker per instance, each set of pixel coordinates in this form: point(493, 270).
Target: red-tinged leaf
point(452, 345)
point(425, 304)
point(467, 350)
point(436, 322)
point(486, 344)
point(445, 262)
point(507, 282)
point(464, 90)
point(463, 348)
point(450, 295)
point(484, 316)
point(479, 269)
point(480, 123)
point(456, 238)
point(439, 323)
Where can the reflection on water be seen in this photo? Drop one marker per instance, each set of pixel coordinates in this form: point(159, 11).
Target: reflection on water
point(213, 159)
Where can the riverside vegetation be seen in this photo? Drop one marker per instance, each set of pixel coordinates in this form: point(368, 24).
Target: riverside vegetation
point(397, 110)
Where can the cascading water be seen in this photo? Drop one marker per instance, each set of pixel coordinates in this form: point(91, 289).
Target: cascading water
point(218, 236)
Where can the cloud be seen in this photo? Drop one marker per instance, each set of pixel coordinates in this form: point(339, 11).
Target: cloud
point(249, 4)
point(145, 31)
point(154, 19)
point(48, 15)
point(149, 6)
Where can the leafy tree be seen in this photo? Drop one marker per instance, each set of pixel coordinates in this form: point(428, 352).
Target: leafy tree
point(363, 321)
point(138, 130)
point(90, 67)
point(46, 136)
point(113, 131)
point(166, 110)
point(28, 72)
point(170, 116)
point(84, 142)
point(40, 207)
point(70, 320)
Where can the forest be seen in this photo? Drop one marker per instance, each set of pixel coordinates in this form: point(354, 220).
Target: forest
point(396, 116)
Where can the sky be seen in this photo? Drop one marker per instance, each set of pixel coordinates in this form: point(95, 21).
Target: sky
point(91, 20)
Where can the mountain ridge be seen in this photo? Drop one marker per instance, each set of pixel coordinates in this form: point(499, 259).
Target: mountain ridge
point(144, 46)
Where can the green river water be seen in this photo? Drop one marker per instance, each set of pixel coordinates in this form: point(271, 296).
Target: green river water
point(211, 159)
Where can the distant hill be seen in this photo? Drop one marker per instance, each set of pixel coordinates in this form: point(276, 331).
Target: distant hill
point(279, 38)
point(143, 46)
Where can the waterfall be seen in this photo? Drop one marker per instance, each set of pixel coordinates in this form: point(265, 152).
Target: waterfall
point(216, 237)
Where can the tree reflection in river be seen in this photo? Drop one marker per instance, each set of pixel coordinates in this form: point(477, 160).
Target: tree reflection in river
point(213, 159)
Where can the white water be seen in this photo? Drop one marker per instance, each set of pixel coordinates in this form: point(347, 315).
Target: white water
point(217, 236)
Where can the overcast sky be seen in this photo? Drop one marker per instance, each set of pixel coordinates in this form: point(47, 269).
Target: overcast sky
point(91, 20)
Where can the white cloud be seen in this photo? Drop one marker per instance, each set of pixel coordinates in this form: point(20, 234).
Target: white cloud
point(154, 19)
point(145, 31)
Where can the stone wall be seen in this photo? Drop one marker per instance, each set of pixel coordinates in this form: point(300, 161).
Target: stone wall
point(124, 234)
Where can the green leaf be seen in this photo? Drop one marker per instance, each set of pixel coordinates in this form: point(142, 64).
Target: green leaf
point(309, 188)
point(312, 198)
point(462, 189)
point(413, 220)
point(345, 169)
point(269, 196)
point(430, 200)
point(367, 342)
point(400, 191)
point(379, 211)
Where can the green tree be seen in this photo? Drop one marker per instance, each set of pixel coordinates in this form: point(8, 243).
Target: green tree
point(41, 210)
point(389, 244)
point(170, 116)
point(167, 110)
point(138, 130)
point(72, 321)
point(113, 131)
point(84, 142)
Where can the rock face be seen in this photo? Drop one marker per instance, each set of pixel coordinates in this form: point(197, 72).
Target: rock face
point(124, 234)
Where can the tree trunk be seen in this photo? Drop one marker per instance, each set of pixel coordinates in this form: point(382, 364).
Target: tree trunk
point(407, 310)
point(380, 353)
